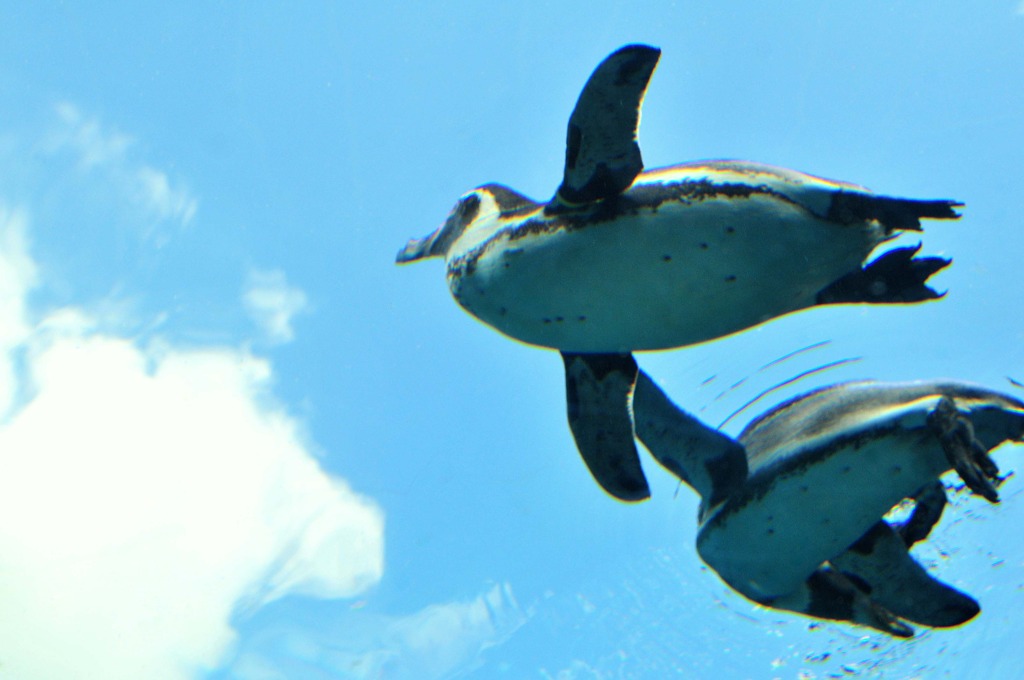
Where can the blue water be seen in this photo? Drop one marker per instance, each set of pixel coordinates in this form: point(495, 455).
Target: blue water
point(237, 442)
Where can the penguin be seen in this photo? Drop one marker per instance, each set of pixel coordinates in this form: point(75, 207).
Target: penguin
point(792, 511)
point(623, 260)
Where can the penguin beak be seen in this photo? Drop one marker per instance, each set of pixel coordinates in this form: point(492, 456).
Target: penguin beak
point(417, 249)
point(437, 244)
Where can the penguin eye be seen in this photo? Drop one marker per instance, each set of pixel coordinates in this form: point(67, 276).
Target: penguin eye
point(469, 208)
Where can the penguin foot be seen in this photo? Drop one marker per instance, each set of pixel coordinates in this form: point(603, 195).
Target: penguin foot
point(929, 503)
point(966, 454)
point(892, 278)
point(892, 213)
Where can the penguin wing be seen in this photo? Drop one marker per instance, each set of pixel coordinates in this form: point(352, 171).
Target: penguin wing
point(881, 566)
point(602, 157)
point(877, 583)
point(713, 464)
point(598, 388)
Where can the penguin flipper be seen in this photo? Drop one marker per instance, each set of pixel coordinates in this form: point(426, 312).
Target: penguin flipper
point(602, 157)
point(598, 388)
point(880, 564)
point(830, 594)
point(713, 464)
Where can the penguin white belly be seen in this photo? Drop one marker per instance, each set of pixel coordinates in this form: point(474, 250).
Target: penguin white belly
point(665, 276)
point(767, 541)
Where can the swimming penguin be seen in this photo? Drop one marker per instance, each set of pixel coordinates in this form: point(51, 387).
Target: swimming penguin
point(621, 260)
point(792, 511)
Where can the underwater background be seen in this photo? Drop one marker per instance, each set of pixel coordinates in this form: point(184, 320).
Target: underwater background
point(237, 442)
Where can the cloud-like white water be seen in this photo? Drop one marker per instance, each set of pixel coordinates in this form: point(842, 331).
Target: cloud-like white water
point(439, 641)
point(147, 492)
point(272, 303)
point(17, 277)
point(107, 152)
point(152, 494)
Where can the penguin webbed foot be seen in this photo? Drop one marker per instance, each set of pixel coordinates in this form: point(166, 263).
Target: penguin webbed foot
point(894, 214)
point(929, 503)
point(968, 456)
point(892, 278)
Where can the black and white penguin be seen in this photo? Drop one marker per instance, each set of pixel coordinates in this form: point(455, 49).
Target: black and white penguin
point(792, 511)
point(622, 260)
